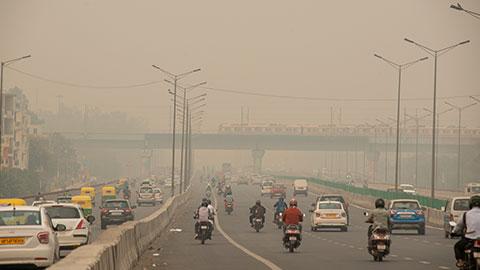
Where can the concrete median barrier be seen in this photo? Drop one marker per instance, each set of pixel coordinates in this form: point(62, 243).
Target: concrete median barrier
point(120, 247)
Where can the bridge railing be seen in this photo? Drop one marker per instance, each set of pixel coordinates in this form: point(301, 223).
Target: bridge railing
point(424, 200)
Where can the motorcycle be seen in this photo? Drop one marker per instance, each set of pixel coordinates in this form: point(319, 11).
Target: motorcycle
point(278, 220)
point(257, 224)
point(204, 232)
point(229, 208)
point(379, 243)
point(291, 238)
point(472, 253)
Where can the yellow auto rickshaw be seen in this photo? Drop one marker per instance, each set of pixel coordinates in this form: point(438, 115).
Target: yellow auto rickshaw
point(85, 203)
point(108, 193)
point(12, 202)
point(88, 191)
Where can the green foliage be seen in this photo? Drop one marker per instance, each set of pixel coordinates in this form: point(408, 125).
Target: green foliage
point(18, 183)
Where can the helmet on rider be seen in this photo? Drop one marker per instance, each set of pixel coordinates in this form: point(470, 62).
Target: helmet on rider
point(293, 202)
point(475, 201)
point(204, 200)
point(379, 203)
point(258, 202)
point(204, 204)
point(209, 202)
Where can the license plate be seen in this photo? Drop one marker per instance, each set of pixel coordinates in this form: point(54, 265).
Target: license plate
point(258, 220)
point(204, 227)
point(116, 214)
point(405, 216)
point(292, 238)
point(381, 247)
point(12, 241)
point(476, 254)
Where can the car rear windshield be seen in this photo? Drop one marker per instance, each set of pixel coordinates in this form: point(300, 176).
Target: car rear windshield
point(332, 198)
point(475, 189)
point(461, 205)
point(63, 212)
point(146, 190)
point(20, 218)
point(329, 206)
point(406, 205)
point(267, 184)
point(116, 204)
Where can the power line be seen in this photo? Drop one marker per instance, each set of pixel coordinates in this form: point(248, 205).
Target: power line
point(83, 85)
point(232, 91)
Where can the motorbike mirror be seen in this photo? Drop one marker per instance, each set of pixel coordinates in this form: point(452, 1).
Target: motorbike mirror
point(365, 214)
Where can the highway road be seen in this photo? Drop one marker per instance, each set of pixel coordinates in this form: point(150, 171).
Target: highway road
point(326, 249)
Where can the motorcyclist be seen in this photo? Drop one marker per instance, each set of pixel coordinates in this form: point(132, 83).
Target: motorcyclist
point(228, 199)
point(228, 190)
point(257, 211)
point(293, 216)
point(468, 226)
point(202, 214)
point(378, 217)
point(280, 206)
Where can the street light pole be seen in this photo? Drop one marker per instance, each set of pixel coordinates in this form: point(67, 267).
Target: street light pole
point(176, 78)
point(399, 67)
point(458, 7)
point(435, 54)
point(460, 110)
point(3, 64)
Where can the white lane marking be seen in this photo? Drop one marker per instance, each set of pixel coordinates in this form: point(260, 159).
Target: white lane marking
point(424, 262)
point(444, 267)
point(408, 259)
point(394, 255)
point(259, 258)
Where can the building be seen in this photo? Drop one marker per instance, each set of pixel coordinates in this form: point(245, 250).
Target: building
point(16, 130)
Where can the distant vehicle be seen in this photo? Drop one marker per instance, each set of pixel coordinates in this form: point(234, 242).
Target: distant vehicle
point(407, 188)
point(85, 203)
point(27, 237)
point(407, 215)
point(116, 212)
point(13, 202)
point(64, 199)
point(453, 210)
point(158, 195)
point(472, 188)
point(88, 191)
point(147, 182)
point(278, 190)
point(242, 180)
point(38, 203)
point(266, 188)
point(77, 225)
point(337, 198)
point(300, 186)
point(145, 196)
point(328, 214)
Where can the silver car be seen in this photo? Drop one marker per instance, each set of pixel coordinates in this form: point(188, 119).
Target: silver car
point(453, 210)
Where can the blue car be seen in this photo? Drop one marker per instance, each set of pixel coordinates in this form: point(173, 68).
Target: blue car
point(407, 215)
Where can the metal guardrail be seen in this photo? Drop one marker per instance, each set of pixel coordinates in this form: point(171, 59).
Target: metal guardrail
point(424, 200)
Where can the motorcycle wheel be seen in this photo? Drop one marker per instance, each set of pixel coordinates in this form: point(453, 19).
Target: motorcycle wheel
point(257, 229)
point(380, 258)
point(291, 248)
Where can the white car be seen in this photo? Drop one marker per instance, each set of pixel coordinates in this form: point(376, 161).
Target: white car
point(158, 194)
point(266, 188)
point(329, 214)
point(77, 231)
point(27, 237)
point(407, 188)
point(38, 203)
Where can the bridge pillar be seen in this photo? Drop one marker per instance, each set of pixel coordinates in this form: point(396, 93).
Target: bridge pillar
point(147, 162)
point(257, 155)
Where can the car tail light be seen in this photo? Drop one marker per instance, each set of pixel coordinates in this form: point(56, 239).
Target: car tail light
point(43, 237)
point(127, 210)
point(104, 211)
point(392, 212)
point(81, 225)
point(419, 212)
point(477, 244)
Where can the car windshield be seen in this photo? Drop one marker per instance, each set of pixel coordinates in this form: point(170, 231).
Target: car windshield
point(461, 205)
point(146, 190)
point(267, 184)
point(20, 218)
point(63, 212)
point(116, 204)
point(329, 206)
point(406, 205)
point(333, 198)
point(475, 189)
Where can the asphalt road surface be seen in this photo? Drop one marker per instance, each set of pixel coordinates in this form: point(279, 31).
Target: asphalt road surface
point(326, 249)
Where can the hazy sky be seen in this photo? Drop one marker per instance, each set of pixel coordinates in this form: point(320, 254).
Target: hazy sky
point(312, 48)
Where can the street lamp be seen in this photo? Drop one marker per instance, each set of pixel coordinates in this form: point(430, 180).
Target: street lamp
point(176, 78)
point(2, 65)
point(460, 110)
point(435, 54)
point(399, 67)
point(469, 12)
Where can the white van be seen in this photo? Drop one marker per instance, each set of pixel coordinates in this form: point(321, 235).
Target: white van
point(300, 186)
point(472, 188)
